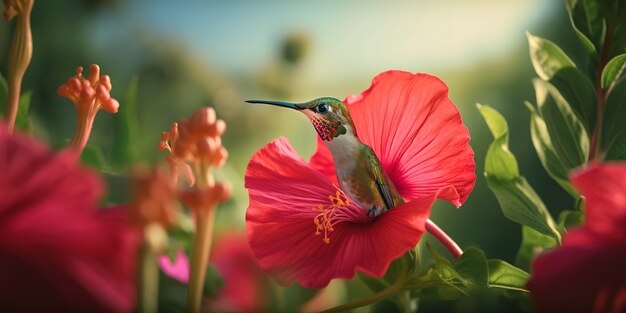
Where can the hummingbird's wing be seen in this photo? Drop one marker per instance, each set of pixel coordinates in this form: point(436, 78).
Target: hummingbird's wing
point(380, 178)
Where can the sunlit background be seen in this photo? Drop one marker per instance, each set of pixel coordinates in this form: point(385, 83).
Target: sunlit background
point(188, 54)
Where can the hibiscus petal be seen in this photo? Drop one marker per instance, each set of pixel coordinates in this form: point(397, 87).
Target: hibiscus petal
point(604, 188)
point(58, 252)
point(587, 274)
point(283, 190)
point(574, 277)
point(416, 132)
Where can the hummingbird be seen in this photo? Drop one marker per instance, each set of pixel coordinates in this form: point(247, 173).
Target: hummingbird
point(358, 169)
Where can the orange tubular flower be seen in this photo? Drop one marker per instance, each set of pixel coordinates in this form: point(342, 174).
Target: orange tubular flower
point(196, 144)
point(20, 54)
point(88, 96)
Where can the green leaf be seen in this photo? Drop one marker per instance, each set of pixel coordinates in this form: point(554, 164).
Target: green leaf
point(578, 92)
point(585, 16)
point(296, 296)
point(517, 199)
point(93, 157)
point(213, 282)
point(568, 219)
point(567, 133)
point(472, 265)
point(172, 294)
point(521, 204)
point(506, 276)
point(546, 153)
point(533, 243)
point(374, 284)
point(547, 57)
point(503, 165)
point(444, 281)
point(614, 128)
point(123, 152)
point(21, 120)
point(613, 70)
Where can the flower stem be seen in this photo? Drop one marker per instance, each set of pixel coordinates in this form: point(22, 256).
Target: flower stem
point(447, 242)
point(83, 131)
point(201, 244)
point(595, 151)
point(200, 258)
point(149, 280)
point(19, 58)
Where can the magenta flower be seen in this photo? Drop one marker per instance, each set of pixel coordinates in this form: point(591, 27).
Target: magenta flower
point(302, 227)
point(587, 273)
point(178, 268)
point(58, 251)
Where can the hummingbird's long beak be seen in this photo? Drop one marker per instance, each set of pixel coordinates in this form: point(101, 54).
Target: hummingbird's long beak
point(277, 103)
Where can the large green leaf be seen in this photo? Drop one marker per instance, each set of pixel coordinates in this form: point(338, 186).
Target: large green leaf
point(613, 70)
point(587, 21)
point(517, 199)
point(506, 276)
point(503, 165)
point(124, 151)
point(521, 204)
point(547, 57)
point(546, 153)
point(533, 243)
point(614, 127)
point(578, 92)
point(567, 133)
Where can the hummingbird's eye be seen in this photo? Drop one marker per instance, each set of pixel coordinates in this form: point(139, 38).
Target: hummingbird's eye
point(322, 108)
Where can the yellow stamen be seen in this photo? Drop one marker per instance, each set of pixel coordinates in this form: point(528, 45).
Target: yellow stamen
point(324, 220)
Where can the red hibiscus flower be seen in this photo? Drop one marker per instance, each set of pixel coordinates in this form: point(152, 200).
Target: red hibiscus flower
point(587, 273)
point(302, 227)
point(58, 252)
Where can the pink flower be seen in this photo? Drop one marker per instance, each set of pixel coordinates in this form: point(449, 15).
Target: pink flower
point(302, 227)
point(177, 269)
point(58, 252)
point(587, 273)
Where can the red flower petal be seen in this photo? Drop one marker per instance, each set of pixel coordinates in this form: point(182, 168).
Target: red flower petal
point(416, 132)
point(587, 273)
point(58, 252)
point(281, 230)
point(243, 289)
point(604, 187)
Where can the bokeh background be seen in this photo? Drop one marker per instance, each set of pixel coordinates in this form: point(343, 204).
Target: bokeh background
point(187, 54)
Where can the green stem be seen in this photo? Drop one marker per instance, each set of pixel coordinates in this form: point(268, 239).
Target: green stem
point(200, 258)
point(595, 151)
point(149, 280)
point(377, 297)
